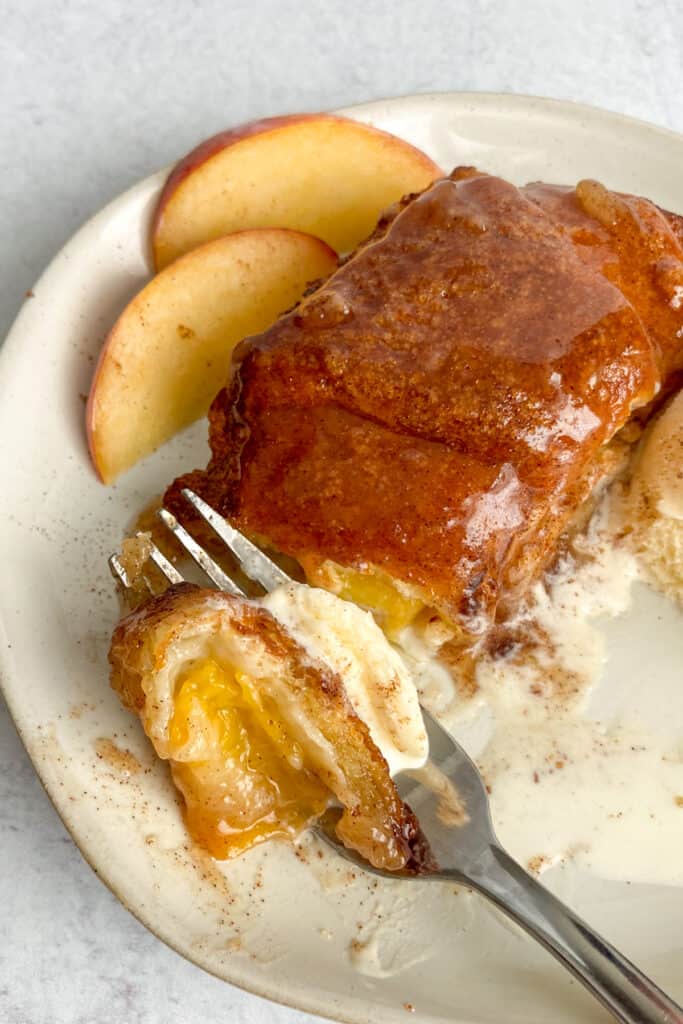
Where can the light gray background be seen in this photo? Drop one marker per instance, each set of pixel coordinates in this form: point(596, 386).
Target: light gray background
point(93, 96)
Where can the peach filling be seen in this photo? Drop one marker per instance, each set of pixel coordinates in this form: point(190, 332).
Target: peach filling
point(372, 590)
point(252, 780)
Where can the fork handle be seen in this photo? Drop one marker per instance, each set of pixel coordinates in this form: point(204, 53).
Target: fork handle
point(624, 990)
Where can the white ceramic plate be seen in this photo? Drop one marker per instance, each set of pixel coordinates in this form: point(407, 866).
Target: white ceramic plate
point(296, 927)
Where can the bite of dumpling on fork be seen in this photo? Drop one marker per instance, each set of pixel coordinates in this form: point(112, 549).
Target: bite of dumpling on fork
point(271, 710)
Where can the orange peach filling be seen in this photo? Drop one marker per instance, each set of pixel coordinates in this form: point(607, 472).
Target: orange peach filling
point(252, 781)
point(374, 591)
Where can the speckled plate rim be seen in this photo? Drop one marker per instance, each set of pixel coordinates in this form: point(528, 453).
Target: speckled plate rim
point(559, 112)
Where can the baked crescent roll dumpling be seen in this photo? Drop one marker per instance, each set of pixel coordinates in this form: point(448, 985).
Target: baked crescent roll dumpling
point(260, 735)
point(425, 425)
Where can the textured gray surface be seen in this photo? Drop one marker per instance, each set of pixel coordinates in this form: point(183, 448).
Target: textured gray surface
point(95, 96)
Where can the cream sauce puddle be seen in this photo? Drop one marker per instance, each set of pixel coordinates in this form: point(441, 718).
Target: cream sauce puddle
point(573, 777)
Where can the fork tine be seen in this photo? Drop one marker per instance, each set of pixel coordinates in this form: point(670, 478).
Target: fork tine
point(199, 555)
point(164, 566)
point(118, 572)
point(254, 564)
point(168, 570)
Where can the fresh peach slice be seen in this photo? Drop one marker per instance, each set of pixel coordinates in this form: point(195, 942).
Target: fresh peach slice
point(169, 352)
point(319, 173)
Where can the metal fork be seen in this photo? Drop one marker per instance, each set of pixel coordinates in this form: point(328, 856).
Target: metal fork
point(465, 846)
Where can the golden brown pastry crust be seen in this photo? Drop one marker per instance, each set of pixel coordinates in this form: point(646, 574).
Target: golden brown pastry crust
point(437, 407)
point(375, 821)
